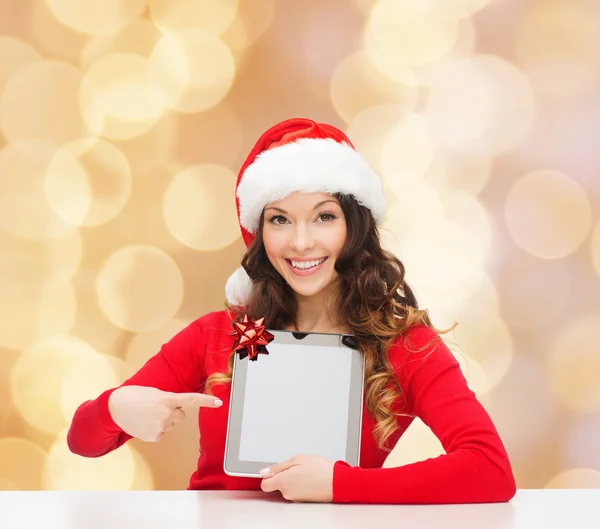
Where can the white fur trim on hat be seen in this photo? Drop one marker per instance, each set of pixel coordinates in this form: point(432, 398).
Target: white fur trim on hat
point(238, 287)
point(310, 165)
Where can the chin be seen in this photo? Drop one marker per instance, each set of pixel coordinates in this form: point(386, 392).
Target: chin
point(309, 290)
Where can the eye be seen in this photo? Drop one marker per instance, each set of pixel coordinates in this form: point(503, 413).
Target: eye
point(328, 216)
point(275, 219)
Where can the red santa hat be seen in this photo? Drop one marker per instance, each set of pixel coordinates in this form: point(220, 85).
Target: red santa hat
point(298, 155)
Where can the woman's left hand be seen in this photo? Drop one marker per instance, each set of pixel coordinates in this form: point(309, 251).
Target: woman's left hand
point(301, 478)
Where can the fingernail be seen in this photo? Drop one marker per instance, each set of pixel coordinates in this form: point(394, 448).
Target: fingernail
point(218, 402)
point(264, 471)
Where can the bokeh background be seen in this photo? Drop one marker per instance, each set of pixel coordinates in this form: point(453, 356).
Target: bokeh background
point(123, 124)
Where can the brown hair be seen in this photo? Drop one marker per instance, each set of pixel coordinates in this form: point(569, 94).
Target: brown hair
point(370, 297)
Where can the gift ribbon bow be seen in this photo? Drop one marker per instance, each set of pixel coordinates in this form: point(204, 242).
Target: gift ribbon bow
point(250, 338)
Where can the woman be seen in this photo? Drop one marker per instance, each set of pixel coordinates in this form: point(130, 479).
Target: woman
point(308, 206)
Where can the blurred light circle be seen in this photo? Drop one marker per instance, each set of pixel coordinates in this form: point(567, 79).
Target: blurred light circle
point(580, 449)
point(464, 46)
point(192, 70)
point(469, 173)
point(22, 462)
point(533, 293)
point(139, 288)
point(468, 212)
point(357, 84)
point(37, 380)
point(198, 209)
point(103, 17)
point(206, 15)
point(595, 248)
point(469, 100)
point(89, 378)
point(418, 443)
point(88, 182)
point(67, 471)
point(444, 263)
point(490, 345)
point(24, 211)
point(558, 45)
point(145, 345)
point(573, 364)
point(548, 214)
point(51, 35)
point(179, 134)
point(407, 152)
point(138, 38)
point(370, 127)
point(143, 479)
point(117, 100)
point(251, 22)
point(523, 408)
point(402, 33)
point(460, 8)
point(575, 478)
point(39, 101)
point(14, 55)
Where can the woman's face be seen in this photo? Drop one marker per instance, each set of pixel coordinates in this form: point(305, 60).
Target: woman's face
point(303, 235)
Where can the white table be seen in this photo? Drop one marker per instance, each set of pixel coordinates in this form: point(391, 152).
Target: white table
point(530, 509)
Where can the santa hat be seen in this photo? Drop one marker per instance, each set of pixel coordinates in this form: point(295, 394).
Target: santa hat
point(298, 155)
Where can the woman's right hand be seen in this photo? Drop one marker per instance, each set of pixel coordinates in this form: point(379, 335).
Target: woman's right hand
point(147, 413)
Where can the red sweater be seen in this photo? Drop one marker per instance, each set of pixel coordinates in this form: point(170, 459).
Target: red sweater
point(474, 469)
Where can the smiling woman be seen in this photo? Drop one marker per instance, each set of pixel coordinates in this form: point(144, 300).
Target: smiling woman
point(309, 208)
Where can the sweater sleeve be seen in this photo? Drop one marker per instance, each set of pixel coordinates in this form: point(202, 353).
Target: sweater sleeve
point(475, 467)
point(177, 367)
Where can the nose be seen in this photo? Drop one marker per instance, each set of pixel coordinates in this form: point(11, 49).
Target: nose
point(302, 238)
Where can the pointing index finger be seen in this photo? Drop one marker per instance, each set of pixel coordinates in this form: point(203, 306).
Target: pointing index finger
point(194, 399)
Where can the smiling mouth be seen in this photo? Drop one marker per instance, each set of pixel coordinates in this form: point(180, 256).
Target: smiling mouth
point(306, 265)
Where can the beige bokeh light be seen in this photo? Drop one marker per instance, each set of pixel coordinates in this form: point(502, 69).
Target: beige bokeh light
point(139, 288)
point(67, 471)
point(175, 15)
point(14, 54)
point(408, 33)
point(39, 101)
point(464, 209)
point(192, 70)
point(117, 100)
point(88, 182)
point(91, 376)
point(104, 17)
point(469, 100)
point(558, 44)
point(38, 376)
point(573, 363)
point(370, 128)
point(252, 20)
point(535, 294)
point(595, 248)
point(24, 211)
point(53, 37)
point(145, 345)
point(575, 478)
point(548, 214)
point(139, 38)
point(22, 462)
point(460, 8)
point(416, 444)
point(356, 84)
point(489, 344)
point(198, 207)
point(469, 173)
point(407, 153)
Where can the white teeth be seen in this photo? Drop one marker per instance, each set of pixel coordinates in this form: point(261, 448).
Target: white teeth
point(303, 265)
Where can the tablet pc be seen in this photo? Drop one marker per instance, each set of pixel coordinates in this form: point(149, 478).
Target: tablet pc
point(304, 397)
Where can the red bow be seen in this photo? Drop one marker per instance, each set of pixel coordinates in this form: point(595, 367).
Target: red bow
point(250, 338)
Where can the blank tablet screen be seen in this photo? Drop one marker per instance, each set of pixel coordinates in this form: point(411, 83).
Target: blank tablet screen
point(316, 382)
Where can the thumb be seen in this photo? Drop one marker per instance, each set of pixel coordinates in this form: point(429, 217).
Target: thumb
point(193, 399)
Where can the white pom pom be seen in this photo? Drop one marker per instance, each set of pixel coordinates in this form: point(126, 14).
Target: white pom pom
point(238, 287)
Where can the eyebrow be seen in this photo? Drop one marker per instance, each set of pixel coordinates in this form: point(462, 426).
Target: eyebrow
point(318, 205)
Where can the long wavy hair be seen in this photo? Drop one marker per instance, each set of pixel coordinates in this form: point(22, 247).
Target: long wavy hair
point(370, 297)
